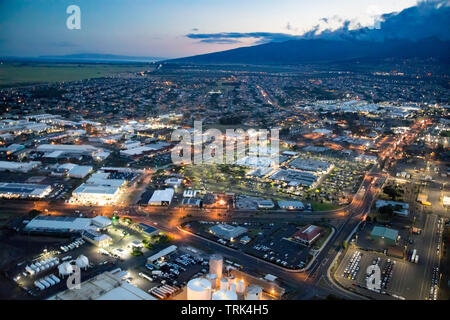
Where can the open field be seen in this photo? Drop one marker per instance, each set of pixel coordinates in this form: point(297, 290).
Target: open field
point(14, 74)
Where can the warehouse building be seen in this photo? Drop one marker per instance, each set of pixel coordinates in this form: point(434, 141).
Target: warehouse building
point(162, 197)
point(23, 190)
point(79, 172)
point(316, 166)
point(64, 225)
point(24, 167)
point(226, 231)
point(105, 286)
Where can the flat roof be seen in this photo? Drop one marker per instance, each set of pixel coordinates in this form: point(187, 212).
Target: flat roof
point(58, 223)
point(162, 195)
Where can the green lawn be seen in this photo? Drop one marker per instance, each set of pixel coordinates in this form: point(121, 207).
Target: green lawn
point(21, 74)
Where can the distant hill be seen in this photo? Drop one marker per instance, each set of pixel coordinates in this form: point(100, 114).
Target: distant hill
point(323, 50)
point(99, 57)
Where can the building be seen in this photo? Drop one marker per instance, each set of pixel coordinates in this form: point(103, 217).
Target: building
point(102, 188)
point(23, 190)
point(63, 225)
point(11, 166)
point(79, 172)
point(148, 230)
point(105, 286)
point(69, 151)
point(388, 236)
point(291, 205)
point(174, 182)
point(400, 208)
point(101, 222)
point(191, 202)
point(265, 204)
point(162, 253)
point(316, 166)
point(226, 231)
point(295, 177)
point(162, 197)
point(446, 201)
point(96, 238)
point(307, 235)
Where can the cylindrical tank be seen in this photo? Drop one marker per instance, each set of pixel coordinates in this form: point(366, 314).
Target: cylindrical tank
point(224, 295)
point(254, 292)
point(233, 287)
point(224, 284)
point(199, 289)
point(213, 279)
point(241, 286)
point(216, 265)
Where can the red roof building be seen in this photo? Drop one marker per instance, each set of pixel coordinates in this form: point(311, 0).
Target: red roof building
point(308, 234)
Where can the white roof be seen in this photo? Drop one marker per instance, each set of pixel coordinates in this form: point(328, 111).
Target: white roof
point(162, 195)
point(59, 223)
point(80, 171)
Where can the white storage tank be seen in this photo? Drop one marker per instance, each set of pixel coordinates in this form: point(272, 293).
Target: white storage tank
point(65, 269)
point(224, 284)
point(82, 262)
point(240, 286)
point(224, 295)
point(199, 289)
point(213, 279)
point(216, 265)
point(233, 287)
point(254, 292)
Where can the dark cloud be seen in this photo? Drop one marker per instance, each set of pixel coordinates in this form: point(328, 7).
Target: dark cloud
point(429, 18)
point(426, 19)
point(259, 37)
point(220, 41)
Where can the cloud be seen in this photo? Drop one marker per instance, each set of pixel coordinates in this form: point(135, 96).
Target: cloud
point(220, 41)
point(426, 19)
point(258, 37)
point(429, 18)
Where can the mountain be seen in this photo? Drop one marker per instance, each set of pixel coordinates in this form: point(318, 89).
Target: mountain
point(325, 50)
point(98, 57)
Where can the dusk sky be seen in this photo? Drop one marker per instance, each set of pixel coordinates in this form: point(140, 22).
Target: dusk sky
point(168, 28)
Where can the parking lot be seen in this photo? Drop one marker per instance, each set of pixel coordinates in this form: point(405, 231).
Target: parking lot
point(398, 277)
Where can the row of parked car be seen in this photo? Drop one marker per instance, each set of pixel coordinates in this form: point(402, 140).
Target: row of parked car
point(434, 284)
point(353, 267)
point(75, 244)
point(387, 273)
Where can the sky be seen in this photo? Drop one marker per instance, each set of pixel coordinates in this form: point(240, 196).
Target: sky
point(173, 28)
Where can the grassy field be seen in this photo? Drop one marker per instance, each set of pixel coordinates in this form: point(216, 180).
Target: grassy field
point(14, 74)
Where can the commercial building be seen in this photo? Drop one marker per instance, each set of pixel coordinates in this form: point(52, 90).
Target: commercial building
point(316, 166)
point(96, 238)
point(162, 253)
point(102, 188)
point(295, 177)
point(105, 286)
point(148, 230)
point(226, 231)
point(291, 205)
point(23, 190)
point(24, 167)
point(64, 225)
point(162, 197)
point(388, 236)
point(70, 151)
point(308, 234)
point(79, 172)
